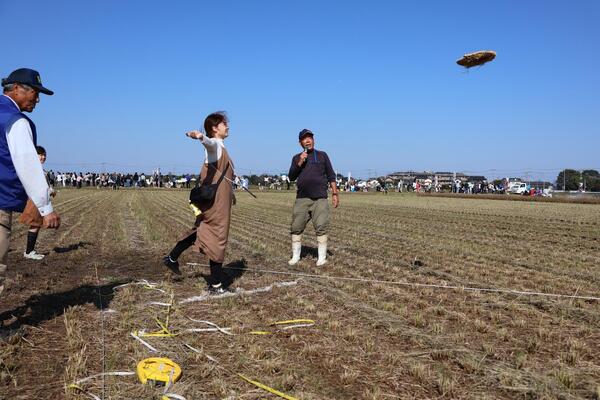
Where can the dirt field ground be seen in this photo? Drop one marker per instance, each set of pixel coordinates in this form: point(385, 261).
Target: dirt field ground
point(65, 318)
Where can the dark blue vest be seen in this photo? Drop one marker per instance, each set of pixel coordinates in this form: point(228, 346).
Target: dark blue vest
point(12, 194)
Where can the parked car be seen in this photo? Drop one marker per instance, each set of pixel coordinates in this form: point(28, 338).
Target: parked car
point(518, 188)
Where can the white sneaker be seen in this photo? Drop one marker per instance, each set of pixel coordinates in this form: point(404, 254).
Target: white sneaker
point(33, 255)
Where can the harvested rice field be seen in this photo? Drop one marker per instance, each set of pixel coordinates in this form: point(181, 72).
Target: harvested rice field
point(393, 315)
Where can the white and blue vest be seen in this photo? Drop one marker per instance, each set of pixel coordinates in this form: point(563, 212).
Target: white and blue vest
point(12, 193)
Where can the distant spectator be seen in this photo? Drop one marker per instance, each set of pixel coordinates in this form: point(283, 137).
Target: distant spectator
point(32, 217)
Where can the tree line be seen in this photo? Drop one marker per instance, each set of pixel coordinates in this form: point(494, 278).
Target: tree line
point(571, 179)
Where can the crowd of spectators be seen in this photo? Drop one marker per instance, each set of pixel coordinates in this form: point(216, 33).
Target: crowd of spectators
point(116, 180)
point(113, 180)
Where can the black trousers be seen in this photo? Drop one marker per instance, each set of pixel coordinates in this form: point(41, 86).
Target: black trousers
point(216, 268)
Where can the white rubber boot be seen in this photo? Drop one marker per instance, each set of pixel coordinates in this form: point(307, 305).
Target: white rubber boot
point(322, 243)
point(296, 248)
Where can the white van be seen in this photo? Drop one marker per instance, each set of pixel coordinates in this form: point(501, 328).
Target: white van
point(518, 188)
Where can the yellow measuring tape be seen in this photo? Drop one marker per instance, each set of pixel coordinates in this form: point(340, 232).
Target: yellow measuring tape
point(154, 334)
point(163, 332)
point(158, 369)
point(268, 389)
point(293, 321)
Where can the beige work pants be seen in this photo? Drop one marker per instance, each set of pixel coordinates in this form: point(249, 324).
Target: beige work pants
point(5, 225)
point(308, 209)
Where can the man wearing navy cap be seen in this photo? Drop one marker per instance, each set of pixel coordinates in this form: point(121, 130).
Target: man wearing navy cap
point(314, 175)
point(21, 173)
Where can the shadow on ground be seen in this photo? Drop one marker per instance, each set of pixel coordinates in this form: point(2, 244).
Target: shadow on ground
point(309, 251)
point(72, 247)
point(232, 272)
point(43, 307)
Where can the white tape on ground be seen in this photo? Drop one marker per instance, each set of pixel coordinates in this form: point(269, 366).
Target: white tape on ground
point(215, 326)
point(195, 350)
point(115, 373)
point(199, 352)
point(174, 396)
point(143, 342)
point(422, 285)
point(238, 292)
point(295, 326)
point(199, 330)
point(211, 358)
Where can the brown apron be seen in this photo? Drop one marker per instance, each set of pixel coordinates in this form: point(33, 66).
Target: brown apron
point(31, 216)
point(212, 226)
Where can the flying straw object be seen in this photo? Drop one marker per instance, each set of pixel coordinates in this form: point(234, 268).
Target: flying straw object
point(476, 58)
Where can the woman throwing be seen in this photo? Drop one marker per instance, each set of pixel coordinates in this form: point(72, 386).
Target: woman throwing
point(211, 228)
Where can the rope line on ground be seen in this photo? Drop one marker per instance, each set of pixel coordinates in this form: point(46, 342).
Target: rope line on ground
point(102, 330)
point(414, 284)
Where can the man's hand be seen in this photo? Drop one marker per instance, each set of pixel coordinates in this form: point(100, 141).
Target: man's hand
point(195, 134)
point(335, 200)
point(52, 220)
point(302, 158)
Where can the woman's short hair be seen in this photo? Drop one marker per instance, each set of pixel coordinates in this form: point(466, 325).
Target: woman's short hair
point(212, 121)
point(40, 150)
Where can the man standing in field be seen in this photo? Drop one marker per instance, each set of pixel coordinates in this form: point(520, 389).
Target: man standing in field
point(314, 174)
point(21, 173)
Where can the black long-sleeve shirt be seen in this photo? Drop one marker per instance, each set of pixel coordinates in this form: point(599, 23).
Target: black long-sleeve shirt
point(313, 176)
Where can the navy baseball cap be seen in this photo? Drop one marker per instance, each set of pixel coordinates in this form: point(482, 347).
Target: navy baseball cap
point(28, 77)
point(304, 132)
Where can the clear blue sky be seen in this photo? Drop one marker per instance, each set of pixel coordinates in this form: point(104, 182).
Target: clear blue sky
point(376, 81)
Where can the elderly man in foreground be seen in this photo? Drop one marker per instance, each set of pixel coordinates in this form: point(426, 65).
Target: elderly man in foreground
point(21, 173)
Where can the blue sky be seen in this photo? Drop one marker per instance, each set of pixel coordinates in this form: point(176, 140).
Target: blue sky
point(376, 81)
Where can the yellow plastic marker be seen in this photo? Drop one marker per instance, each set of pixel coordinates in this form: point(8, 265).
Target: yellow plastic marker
point(293, 321)
point(164, 327)
point(260, 333)
point(154, 334)
point(158, 370)
point(268, 389)
point(163, 332)
point(195, 209)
